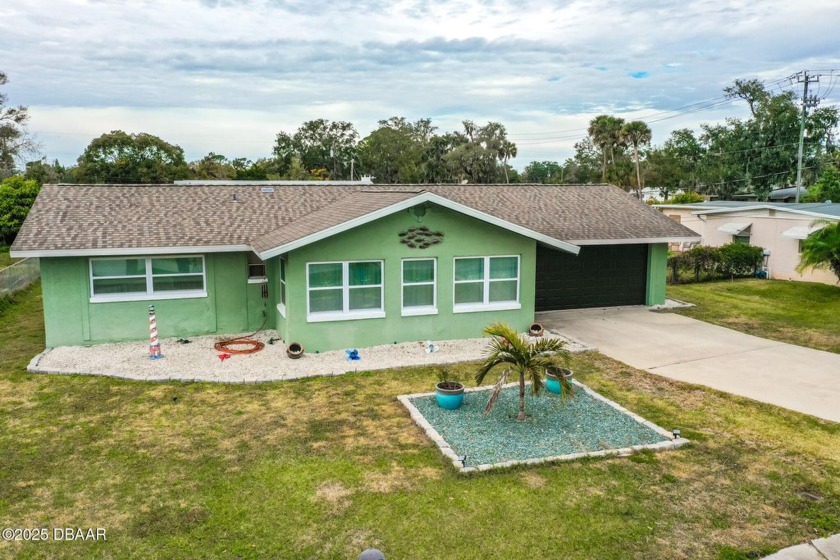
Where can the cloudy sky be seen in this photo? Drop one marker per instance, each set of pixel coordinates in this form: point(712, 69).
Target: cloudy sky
point(227, 75)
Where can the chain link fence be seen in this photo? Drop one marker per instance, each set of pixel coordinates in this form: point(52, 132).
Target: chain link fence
point(18, 276)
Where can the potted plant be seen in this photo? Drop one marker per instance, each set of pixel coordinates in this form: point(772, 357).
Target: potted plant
point(558, 379)
point(294, 350)
point(536, 329)
point(449, 390)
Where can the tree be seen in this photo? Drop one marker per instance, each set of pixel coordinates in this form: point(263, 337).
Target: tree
point(519, 356)
point(42, 172)
point(822, 248)
point(480, 154)
point(584, 166)
point(393, 153)
point(119, 157)
point(605, 133)
point(827, 188)
point(212, 166)
point(636, 133)
point(16, 198)
point(546, 172)
point(319, 144)
point(15, 141)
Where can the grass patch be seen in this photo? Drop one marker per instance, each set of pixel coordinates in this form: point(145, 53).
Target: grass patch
point(802, 313)
point(5, 259)
point(323, 468)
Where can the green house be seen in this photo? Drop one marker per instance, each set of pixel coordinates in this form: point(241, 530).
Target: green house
point(336, 265)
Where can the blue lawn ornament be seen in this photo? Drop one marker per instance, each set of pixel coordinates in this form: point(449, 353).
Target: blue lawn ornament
point(353, 355)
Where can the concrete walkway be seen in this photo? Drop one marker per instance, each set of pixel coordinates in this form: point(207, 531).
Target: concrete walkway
point(685, 349)
point(817, 549)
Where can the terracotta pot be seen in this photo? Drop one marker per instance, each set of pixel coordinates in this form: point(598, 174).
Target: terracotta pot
point(536, 329)
point(294, 350)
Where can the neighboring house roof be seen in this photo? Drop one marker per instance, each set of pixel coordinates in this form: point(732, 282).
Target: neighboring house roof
point(109, 219)
point(788, 192)
point(814, 209)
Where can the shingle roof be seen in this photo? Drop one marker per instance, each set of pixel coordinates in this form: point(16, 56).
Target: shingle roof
point(105, 217)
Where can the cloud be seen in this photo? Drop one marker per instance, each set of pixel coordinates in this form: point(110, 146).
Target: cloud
point(212, 74)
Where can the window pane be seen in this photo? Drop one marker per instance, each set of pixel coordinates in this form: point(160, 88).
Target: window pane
point(325, 300)
point(418, 271)
point(365, 273)
point(172, 283)
point(469, 269)
point(176, 265)
point(504, 290)
point(325, 275)
point(417, 296)
point(119, 286)
point(119, 267)
point(503, 267)
point(283, 293)
point(282, 270)
point(365, 298)
point(472, 292)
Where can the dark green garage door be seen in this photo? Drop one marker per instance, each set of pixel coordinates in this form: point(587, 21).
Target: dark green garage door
point(599, 276)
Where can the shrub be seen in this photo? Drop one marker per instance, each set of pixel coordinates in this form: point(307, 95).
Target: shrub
point(686, 198)
point(711, 263)
point(739, 259)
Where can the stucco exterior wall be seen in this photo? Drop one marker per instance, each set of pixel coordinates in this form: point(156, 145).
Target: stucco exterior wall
point(71, 319)
point(463, 237)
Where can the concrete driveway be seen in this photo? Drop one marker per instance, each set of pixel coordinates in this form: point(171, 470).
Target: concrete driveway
point(685, 349)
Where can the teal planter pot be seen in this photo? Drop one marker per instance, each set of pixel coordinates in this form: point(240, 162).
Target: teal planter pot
point(450, 395)
point(552, 378)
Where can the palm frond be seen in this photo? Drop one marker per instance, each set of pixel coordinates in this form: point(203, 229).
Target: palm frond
point(497, 390)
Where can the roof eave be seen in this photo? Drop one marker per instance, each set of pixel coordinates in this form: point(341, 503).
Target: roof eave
point(113, 251)
point(637, 241)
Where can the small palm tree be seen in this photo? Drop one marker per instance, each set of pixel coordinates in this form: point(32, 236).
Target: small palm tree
point(520, 356)
point(822, 248)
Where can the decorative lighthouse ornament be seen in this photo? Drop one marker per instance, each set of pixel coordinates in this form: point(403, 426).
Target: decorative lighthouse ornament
point(154, 343)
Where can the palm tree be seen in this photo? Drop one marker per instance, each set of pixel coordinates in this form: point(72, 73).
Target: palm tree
point(605, 131)
point(507, 150)
point(636, 133)
point(822, 248)
point(519, 356)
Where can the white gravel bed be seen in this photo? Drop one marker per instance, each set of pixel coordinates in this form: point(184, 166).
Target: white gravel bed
point(199, 361)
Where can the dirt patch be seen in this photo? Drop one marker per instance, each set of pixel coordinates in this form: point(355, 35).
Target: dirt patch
point(335, 494)
point(398, 479)
point(533, 480)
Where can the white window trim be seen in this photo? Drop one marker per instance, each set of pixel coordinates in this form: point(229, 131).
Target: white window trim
point(149, 294)
point(418, 309)
point(281, 284)
point(256, 279)
point(487, 305)
point(346, 314)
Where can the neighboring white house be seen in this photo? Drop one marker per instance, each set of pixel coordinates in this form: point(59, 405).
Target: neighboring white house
point(779, 228)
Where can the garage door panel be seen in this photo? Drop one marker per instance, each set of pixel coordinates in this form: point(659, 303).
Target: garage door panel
point(599, 276)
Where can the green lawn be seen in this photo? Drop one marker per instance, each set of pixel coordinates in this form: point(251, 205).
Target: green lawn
point(323, 468)
point(803, 313)
point(5, 259)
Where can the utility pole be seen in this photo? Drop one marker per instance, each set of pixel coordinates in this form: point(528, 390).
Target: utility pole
point(806, 79)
